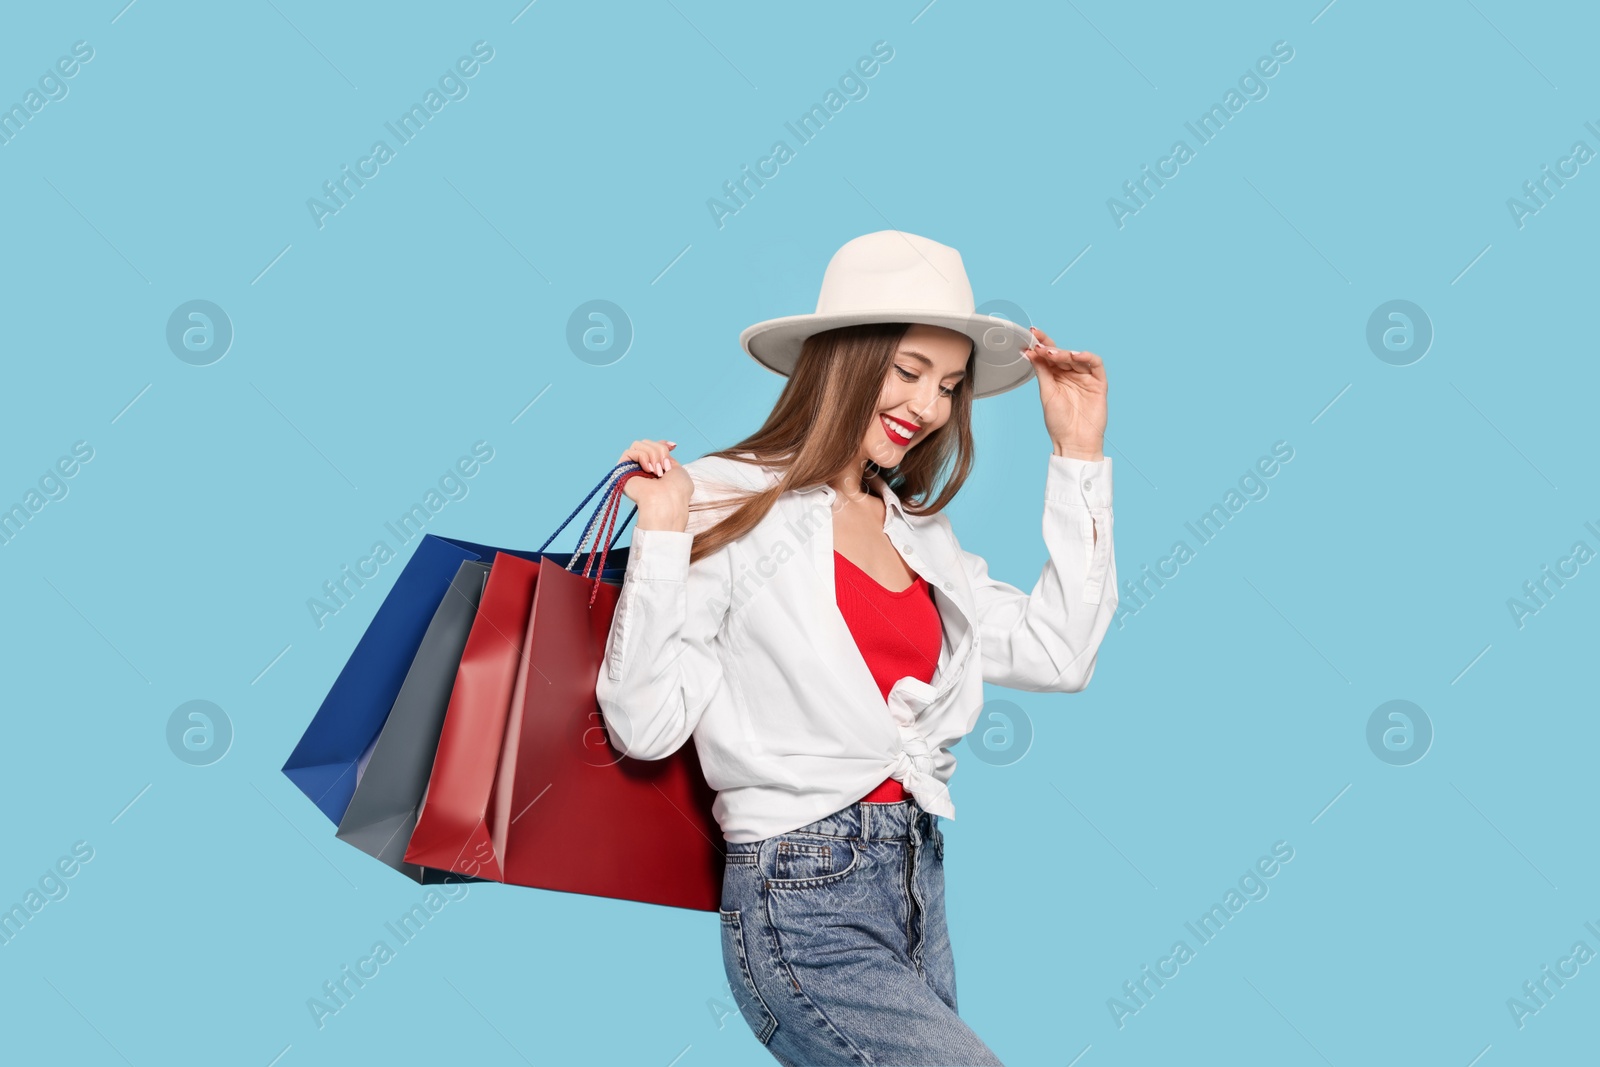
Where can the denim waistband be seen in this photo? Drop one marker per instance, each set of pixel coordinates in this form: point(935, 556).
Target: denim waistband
point(865, 820)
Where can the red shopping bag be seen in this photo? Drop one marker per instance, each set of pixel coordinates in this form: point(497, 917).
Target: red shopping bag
point(526, 787)
point(451, 831)
point(575, 815)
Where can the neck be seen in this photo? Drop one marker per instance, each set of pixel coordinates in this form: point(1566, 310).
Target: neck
point(854, 482)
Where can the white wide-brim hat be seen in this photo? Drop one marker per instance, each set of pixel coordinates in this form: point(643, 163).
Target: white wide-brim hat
point(894, 276)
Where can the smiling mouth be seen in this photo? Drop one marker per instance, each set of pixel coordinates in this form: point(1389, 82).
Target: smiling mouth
point(895, 430)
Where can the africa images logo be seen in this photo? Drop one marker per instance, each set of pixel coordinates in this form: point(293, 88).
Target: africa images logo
point(452, 85)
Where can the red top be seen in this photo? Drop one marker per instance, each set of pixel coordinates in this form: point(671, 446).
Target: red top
point(898, 633)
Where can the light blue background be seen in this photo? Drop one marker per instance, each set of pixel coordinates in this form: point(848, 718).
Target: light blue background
point(428, 314)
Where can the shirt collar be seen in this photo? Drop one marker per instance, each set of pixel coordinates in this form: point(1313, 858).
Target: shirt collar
point(772, 475)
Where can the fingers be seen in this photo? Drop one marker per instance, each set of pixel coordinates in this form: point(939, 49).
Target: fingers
point(652, 456)
point(1087, 363)
point(1075, 360)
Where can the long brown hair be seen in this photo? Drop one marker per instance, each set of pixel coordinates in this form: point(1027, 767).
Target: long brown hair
point(815, 429)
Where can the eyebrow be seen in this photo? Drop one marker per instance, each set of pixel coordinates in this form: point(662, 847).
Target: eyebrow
point(914, 354)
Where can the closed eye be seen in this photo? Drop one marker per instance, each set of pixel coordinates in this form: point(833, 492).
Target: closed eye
point(911, 376)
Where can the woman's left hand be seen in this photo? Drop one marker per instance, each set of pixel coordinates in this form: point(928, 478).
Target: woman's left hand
point(1072, 387)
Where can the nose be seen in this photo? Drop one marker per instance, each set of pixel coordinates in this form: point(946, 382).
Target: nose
point(921, 409)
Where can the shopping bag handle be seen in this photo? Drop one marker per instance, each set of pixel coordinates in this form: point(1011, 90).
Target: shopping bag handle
point(618, 475)
point(604, 512)
point(606, 537)
point(602, 482)
point(604, 515)
point(607, 508)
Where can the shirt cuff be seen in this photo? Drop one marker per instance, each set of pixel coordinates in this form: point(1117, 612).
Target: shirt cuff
point(660, 555)
point(1078, 483)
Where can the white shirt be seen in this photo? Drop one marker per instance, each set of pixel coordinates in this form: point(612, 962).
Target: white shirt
point(748, 652)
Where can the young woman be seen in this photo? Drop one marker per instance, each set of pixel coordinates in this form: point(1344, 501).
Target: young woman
point(799, 605)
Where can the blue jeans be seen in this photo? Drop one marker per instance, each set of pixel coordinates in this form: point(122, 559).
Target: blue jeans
point(835, 946)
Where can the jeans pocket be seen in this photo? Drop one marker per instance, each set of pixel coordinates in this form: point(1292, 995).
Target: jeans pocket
point(807, 861)
point(736, 962)
point(799, 859)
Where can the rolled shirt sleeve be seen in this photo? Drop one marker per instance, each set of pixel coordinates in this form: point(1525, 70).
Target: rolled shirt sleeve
point(1047, 641)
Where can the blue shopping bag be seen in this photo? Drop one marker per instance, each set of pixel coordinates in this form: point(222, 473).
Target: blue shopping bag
point(328, 761)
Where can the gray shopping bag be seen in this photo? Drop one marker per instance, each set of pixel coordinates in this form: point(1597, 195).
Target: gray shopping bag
point(383, 811)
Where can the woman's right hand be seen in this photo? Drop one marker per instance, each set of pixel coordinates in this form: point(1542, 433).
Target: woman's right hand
point(669, 485)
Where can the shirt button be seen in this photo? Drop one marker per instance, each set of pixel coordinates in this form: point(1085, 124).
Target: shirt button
point(1088, 484)
point(906, 549)
point(949, 585)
